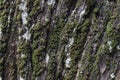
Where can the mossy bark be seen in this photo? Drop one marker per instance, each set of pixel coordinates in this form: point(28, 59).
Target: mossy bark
point(60, 39)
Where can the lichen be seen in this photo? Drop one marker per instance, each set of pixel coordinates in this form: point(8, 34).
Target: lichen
point(51, 2)
point(24, 14)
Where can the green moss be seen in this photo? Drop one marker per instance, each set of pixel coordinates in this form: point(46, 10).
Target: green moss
point(38, 47)
point(89, 2)
point(77, 47)
point(94, 17)
point(32, 13)
point(36, 8)
point(114, 16)
point(95, 10)
point(24, 51)
point(53, 45)
point(55, 35)
point(52, 69)
point(37, 27)
point(111, 31)
point(3, 19)
point(69, 28)
point(109, 27)
point(0, 2)
point(2, 46)
point(21, 31)
point(78, 3)
point(18, 17)
point(86, 22)
point(89, 66)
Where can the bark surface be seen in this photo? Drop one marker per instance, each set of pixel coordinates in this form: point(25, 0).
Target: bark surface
point(59, 39)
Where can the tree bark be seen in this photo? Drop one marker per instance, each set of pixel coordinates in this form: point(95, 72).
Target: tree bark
point(59, 40)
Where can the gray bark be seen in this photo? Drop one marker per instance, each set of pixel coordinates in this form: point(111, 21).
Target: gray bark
point(59, 40)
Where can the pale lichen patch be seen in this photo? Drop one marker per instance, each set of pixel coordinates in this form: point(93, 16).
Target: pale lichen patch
point(23, 7)
point(118, 47)
point(9, 16)
point(27, 35)
point(82, 11)
point(47, 59)
point(21, 78)
point(22, 55)
point(0, 78)
point(46, 18)
point(24, 17)
point(67, 50)
point(71, 41)
point(112, 75)
point(68, 62)
point(32, 26)
point(109, 44)
point(51, 2)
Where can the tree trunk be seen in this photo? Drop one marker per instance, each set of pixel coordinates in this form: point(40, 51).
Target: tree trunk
point(59, 40)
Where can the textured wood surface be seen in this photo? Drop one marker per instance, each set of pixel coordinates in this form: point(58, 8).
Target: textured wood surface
point(59, 39)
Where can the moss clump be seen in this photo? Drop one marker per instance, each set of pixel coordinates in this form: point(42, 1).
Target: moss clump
point(36, 8)
point(69, 28)
point(95, 10)
point(114, 16)
point(111, 32)
point(109, 27)
point(4, 33)
point(24, 52)
point(18, 17)
point(53, 45)
point(39, 49)
point(89, 2)
point(77, 47)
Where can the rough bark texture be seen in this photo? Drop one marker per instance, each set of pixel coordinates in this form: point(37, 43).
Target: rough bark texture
point(59, 39)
